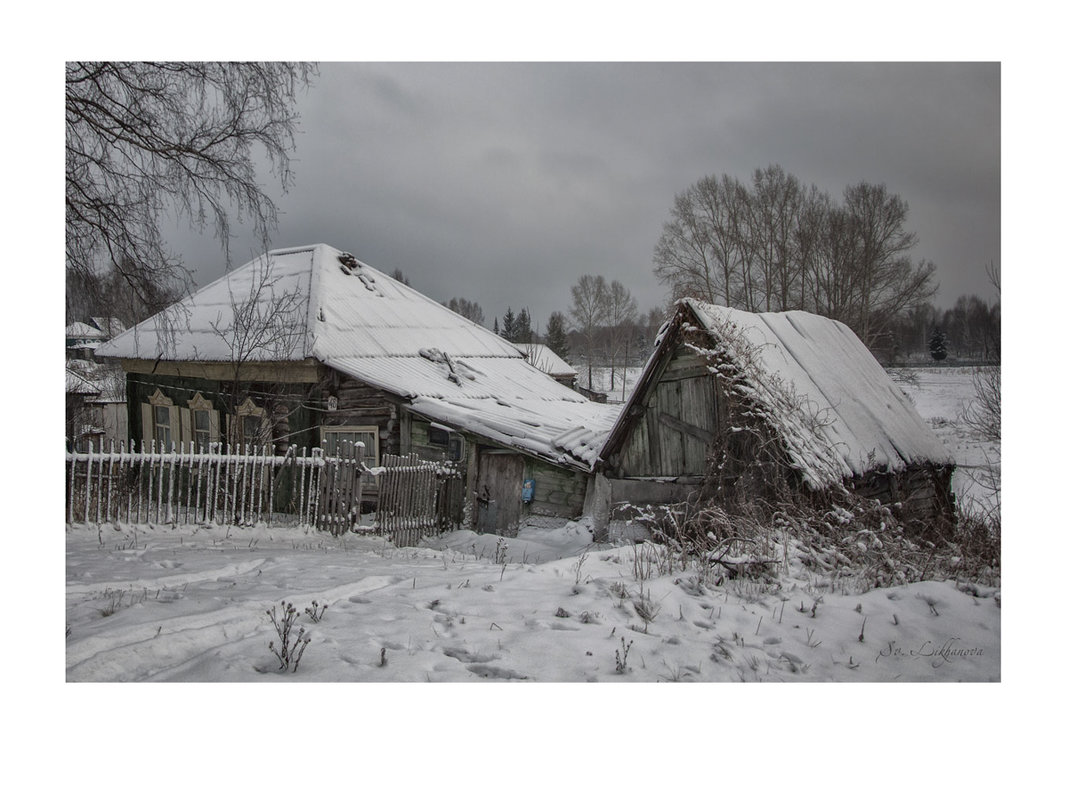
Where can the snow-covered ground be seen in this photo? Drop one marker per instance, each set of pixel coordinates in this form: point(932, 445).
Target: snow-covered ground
point(625, 378)
point(191, 604)
point(941, 395)
point(437, 669)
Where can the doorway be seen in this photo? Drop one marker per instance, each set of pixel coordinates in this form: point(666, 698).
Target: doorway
point(499, 492)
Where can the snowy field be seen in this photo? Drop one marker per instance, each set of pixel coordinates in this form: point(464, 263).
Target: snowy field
point(941, 395)
point(617, 391)
point(190, 604)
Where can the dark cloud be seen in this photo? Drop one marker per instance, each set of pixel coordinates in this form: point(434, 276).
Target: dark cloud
point(504, 182)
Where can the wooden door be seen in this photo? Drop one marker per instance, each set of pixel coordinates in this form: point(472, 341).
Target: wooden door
point(499, 493)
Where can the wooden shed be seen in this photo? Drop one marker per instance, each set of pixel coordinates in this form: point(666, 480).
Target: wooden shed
point(805, 386)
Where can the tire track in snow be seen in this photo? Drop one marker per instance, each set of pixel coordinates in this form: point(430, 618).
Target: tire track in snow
point(130, 652)
point(123, 654)
point(167, 582)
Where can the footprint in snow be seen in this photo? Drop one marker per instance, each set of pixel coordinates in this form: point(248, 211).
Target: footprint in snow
point(491, 672)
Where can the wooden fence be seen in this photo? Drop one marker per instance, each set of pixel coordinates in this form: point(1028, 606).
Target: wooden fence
point(245, 486)
point(219, 485)
point(417, 498)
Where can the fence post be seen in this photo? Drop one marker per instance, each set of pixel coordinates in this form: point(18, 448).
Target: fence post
point(88, 478)
point(226, 482)
point(111, 473)
point(70, 503)
point(99, 483)
point(172, 505)
point(159, 486)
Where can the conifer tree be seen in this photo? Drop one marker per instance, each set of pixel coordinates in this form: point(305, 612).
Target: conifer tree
point(556, 335)
point(508, 329)
point(939, 345)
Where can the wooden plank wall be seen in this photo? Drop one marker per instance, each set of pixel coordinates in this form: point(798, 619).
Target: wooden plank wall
point(680, 420)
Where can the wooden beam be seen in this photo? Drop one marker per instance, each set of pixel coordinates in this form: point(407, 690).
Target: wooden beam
point(302, 372)
point(675, 423)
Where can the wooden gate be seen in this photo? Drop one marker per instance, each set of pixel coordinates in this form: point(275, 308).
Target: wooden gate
point(342, 489)
point(413, 498)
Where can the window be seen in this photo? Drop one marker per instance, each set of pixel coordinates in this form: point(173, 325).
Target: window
point(202, 423)
point(159, 420)
point(201, 429)
point(449, 441)
point(334, 436)
point(252, 428)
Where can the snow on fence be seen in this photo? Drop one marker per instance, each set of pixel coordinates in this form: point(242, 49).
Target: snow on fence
point(218, 485)
point(244, 486)
point(416, 498)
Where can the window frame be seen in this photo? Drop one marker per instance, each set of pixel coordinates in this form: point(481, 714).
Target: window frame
point(249, 409)
point(370, 459)
point(156, 401)
point(198, 404)
point(453, 441)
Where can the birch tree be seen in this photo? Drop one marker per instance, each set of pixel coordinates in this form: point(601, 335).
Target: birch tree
point(588, 307)
point(145, 141)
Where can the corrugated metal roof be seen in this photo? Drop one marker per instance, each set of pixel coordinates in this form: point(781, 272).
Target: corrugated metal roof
point(366, 324)
point(314, 301)
point(547, 360)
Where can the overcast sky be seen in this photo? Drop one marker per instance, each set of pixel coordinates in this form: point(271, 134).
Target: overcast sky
point(503, 183)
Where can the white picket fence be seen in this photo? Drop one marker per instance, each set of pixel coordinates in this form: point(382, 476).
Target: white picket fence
point(251, 485)
point(218, 485)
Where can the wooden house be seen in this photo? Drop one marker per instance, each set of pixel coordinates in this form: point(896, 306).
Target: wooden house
point(95, 392)
point(311, 347)
point(726, 393)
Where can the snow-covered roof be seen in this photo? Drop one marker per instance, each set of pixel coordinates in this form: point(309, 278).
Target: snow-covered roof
point(864, 420)
point(78, 384)
point(79, 330)
point(366, 324)
point(106, 383)
point(109, 326)
point(547, 360)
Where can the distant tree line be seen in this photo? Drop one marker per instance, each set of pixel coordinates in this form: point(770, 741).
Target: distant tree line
point(775, 244)
point(467, 308)
point(970, 330)
point(602, 326)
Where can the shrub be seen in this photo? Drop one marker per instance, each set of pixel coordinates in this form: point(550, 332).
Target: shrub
point(288, 653)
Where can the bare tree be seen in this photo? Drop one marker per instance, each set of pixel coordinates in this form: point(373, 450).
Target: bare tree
point(620, 315)
point(588, 307)
point(778, 246)
point(775, 209)
point(107, 294)
point(147, 139)
point(887, 282)
point(267, 321)
point(685, 258)
point(467, 308)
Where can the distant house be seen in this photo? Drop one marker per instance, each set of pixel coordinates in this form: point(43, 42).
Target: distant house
point(311, 347)
point(829, 413)
point(546, 360)
point(95, 392)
